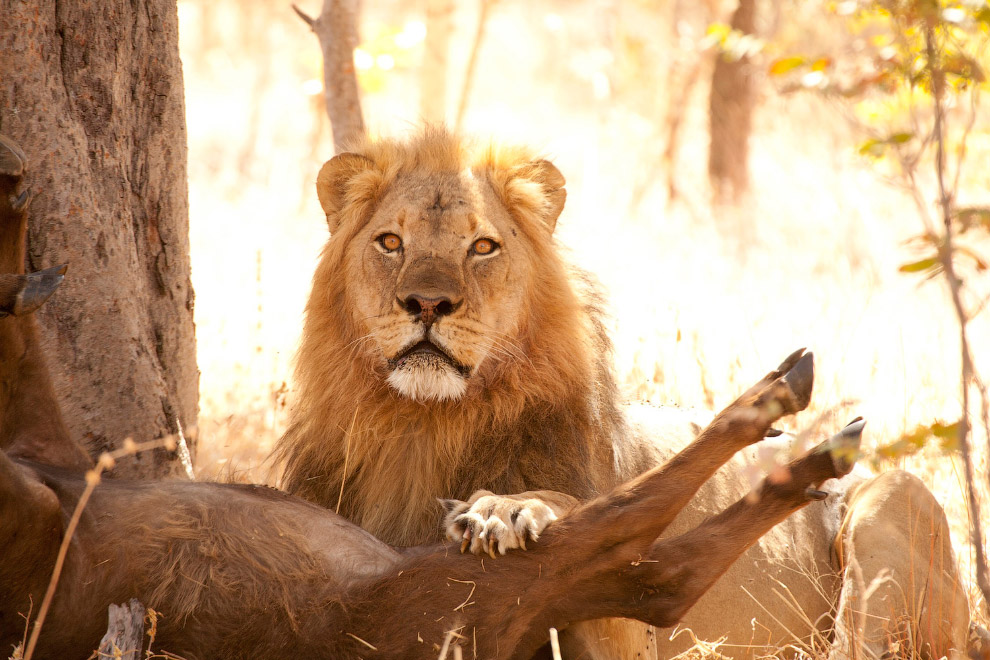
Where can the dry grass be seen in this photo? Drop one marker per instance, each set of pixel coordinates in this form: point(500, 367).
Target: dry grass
point(703, 299)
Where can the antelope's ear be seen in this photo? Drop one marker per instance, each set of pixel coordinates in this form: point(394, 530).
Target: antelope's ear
point(22, 294)
point(334, 183)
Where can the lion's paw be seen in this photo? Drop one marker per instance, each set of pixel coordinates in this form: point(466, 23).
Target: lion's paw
point(489, 522)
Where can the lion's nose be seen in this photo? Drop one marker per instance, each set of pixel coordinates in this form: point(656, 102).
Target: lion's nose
point(428, 310)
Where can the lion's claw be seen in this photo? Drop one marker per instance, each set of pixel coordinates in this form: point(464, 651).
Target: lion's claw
point(491, 524)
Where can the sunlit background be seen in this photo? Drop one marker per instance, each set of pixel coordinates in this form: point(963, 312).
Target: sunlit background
point(704, 297)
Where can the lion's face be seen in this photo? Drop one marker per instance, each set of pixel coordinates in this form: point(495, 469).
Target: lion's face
point(437, 280)
point(443, 260)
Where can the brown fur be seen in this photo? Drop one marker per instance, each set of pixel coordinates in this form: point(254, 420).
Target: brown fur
point(548, 401)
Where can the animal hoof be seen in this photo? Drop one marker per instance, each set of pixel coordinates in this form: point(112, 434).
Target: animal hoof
point(816, 495)
point(800, 378)
point(790, 361)
point(844, 446)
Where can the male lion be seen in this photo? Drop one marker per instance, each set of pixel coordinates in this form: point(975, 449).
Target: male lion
point(450, 353)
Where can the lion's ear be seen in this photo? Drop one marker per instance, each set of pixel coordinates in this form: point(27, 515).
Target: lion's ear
point(549, 177)
point(333, 181)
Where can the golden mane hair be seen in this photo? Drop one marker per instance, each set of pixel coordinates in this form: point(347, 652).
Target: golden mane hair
point(544, 417)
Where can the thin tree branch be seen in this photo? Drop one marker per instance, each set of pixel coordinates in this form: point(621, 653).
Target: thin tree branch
point(336, 28)
point(916, 196)
point(303, 15)
point(974, 102)
point(937, 77)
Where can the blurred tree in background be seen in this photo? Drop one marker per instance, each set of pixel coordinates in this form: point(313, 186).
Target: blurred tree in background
point(337, 29)
point(730, 111)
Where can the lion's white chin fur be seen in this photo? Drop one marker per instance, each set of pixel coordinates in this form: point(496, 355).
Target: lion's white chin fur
point(428, 382)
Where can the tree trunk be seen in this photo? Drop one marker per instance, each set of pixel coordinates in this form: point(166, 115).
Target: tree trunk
point(731, 115)
point(92, 91)
point(336, 28)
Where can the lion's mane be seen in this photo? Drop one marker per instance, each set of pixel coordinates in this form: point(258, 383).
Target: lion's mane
point(544, 418)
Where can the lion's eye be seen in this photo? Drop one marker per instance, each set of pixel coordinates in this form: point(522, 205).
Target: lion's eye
point(484, 246)
point(390, 242)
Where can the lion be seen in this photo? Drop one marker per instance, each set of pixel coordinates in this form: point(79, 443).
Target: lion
point(454, 367)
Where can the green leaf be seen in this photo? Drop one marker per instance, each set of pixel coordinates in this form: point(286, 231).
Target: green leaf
point(913, 441)
point(786, 64)
point(964, 66)
point(948, 438)
point(874, 148)
point(878, 147)
point(718, 30)
point(973, 217)
point(920, 266)
point(899, 449)
point(945, 431)
point(716, 33)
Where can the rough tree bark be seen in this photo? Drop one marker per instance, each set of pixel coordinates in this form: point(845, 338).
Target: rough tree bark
point(336, 28)
point(730, 114)
point(92, 91)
